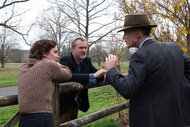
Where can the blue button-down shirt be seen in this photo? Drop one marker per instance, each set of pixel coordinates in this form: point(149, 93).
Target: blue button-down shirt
point(91, 76)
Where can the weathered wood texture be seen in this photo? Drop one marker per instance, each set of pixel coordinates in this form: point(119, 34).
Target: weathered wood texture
point(95, 116)
point(55, 105)
point(13, 120)
point(63, 87)
point(8, 100)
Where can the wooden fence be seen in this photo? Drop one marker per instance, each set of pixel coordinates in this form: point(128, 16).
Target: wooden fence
point(65, 87)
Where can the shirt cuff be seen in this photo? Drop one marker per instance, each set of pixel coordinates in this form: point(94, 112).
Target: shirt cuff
point(91, 78)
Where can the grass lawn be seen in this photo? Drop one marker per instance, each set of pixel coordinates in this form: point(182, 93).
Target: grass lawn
point(9, 74)
point(7, 113)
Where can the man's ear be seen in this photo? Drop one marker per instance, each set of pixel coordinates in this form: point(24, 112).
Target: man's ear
point(72, 49)
point(138, 33)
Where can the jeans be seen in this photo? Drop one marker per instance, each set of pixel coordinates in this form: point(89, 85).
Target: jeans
point(36, 120)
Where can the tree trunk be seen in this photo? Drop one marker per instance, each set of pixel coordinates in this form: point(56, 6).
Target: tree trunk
point(2, 56)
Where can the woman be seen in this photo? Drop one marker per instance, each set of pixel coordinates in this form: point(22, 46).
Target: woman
point(35, 84)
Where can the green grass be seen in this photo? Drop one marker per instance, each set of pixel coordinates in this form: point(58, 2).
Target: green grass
point(9, 74)
point(100, 99)
point(105, 122)
point(7, 113)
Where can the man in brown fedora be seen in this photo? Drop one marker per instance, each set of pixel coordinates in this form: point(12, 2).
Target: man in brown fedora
point(155, 78)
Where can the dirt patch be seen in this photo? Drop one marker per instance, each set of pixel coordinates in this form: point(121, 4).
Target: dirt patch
point(123, 119)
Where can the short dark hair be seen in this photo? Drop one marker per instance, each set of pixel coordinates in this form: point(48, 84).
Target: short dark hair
point(40, 47)
point(146, 31)
point(73, 43)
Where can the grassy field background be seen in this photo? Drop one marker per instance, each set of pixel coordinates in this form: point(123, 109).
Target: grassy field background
point(99, 98)
point(9, 74)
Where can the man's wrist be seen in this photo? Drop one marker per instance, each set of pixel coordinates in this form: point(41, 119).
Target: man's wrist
point(91, 78)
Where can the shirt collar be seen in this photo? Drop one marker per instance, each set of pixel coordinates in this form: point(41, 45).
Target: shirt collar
point(144, 41)
point(75, 61)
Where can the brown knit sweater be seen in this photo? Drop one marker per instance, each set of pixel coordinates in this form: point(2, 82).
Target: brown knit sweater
point(35, 84)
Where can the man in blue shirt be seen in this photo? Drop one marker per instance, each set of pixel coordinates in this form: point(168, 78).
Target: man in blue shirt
point(83, 72)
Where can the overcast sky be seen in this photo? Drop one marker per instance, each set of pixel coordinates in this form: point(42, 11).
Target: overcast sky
point(33, 9)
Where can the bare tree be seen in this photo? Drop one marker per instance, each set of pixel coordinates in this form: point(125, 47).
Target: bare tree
point(9, 24)
point(98, 53)
point(89, 18)
point(9, 19)
point(52, 24)
point(7, 42)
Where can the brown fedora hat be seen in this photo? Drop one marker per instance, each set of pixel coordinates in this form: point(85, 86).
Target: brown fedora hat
point(132, 21)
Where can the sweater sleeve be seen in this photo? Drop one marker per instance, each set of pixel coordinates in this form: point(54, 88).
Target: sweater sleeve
point(59, 72)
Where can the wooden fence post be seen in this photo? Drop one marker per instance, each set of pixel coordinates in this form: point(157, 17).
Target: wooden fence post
point(13, 120)
point(55, 104)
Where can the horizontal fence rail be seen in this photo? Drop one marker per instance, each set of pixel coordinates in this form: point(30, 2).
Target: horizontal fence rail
point(66, 87)
point(13, 120)
point(8, 100)
point(63, 87)
point(95, 116)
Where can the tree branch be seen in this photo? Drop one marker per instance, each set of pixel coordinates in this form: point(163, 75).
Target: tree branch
point(5, 4)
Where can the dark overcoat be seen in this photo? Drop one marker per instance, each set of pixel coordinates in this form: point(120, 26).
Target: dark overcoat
point(186, 87)
point(154, 85)
point(83, 77)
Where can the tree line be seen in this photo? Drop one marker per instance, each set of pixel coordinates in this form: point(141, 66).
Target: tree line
point(97, 21)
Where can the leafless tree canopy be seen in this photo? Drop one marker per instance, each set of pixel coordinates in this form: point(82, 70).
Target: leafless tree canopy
point(89, 18)
point(7, 42)
point(8, 26)
point(52, 24)
point(11, 3)
point(11, 19)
